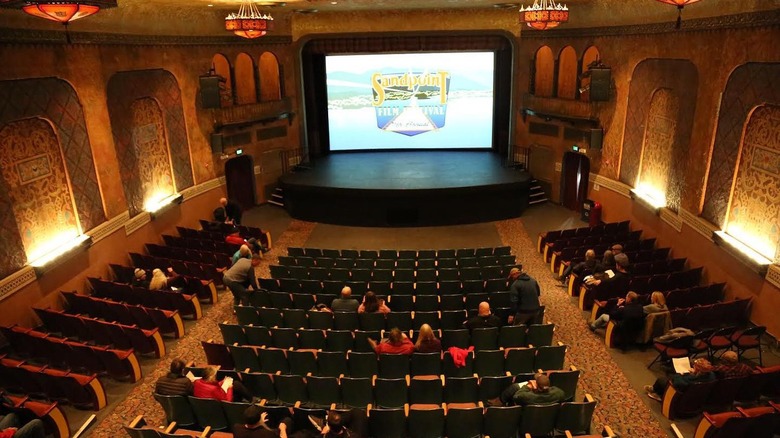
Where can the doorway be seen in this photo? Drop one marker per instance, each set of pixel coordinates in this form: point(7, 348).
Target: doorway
point(575, 172)
point(240, 181)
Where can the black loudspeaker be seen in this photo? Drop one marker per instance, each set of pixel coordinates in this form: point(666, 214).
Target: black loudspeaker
point(600, 82)
point(209, 91)
point(217, 143)
point(596, 137)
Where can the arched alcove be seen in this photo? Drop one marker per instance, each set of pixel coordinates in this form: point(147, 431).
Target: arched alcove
point(655, 163)
point(590, 55)
point(246, 89)
point(270, 80)
point(544, 72)
point(567, 73)
point(221, 67)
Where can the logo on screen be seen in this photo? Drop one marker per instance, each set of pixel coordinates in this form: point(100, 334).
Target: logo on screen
point(410, 103)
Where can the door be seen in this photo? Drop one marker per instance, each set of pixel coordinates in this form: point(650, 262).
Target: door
point(575, 172)
point(240, 181)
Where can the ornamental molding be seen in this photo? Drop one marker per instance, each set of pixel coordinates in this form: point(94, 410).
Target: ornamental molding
point(671, 218)
point(773, 275)
point(136, 222)
point(611, 184)
point(769, 18)
point(16, 281)
point(31, 36)
point(200, 189)
point(699, 224)
point(108, 227)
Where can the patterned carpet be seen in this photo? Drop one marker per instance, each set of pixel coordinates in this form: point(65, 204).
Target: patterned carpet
point(619, 406)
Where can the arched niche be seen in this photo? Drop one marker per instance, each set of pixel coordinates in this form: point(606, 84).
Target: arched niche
point(221, 67)
point(567, 73)
point(590, 55)
point(544, 72)
point(246, 89)
point(270, 77)
point(150, 146)
point(655, 168)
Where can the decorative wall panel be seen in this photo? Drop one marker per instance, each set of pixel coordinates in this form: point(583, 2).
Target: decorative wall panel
point(56, 101)
point(567, 73)
point(681, 77)
point(34, 174)
point(270, 77)
point(246, 89)
point(754, 215)
point(123, 89)
point(544, 72)
point(656, 163)
point(750, 85)
point(151, 150)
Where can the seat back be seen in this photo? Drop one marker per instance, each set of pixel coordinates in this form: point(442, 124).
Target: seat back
point(575, 417)
point(502, 421)
point(539, 419)
point(426, 423)
point(464, 422)
point(177, 408)
point(209, 413)
point(387, 423)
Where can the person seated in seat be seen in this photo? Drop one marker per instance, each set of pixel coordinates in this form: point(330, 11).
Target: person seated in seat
point(140, 279)
point(629, 313)
point(243, 253)
point(396, 343)
point(11, 427)
point(174, 383)
point(620, 276)
point(426, 341)
point(730, 366)
point(226, 390)
point(534, 392)
point(255, 425)
point(345, 303)
point(701, 372)
point(351, 423)
point(484, 318)
point(583, 268)
point(657, 303)
point(161, 281)
point(373, 304)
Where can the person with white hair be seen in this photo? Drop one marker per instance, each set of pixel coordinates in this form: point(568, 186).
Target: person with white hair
point(232, 211)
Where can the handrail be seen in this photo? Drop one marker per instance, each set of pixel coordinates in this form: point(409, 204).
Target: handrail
point(519, 157)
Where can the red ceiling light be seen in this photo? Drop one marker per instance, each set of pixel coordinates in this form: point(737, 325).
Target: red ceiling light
point(248, 22)
point(61, 11)
point(680, 5)
point(544, 14)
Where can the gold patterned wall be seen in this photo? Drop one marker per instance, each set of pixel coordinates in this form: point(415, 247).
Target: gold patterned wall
point(754, 214)
point(657, 146)
point(34, 174)
point(151, 149)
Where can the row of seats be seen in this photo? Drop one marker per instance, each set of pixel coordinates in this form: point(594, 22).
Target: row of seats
point(49, 412)
point(190, 255)
point(720, 393)
point(148, 318)
point(728, 313)
point(608, 229)
point(205, 271)
point(397, 274)
point(81, 390)
point(630, 240)
point(198, 244)
point(451, 287)
point(711, 341)
point(641, 285)
point(220, 230)
point(498, 362)
point(755, 422)
point(392, 254)
point(414, 421)
point(573, 255)
point(202, 286)
point(396, 263)
point(675, 299)
point(185, 304)
point(39, 347)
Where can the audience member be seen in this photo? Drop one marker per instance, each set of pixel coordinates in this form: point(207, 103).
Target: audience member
point(226, 390)
point(232, 211)
point(396, 343)
point(607, 262)
point(162, 281)
point(235, 238)
point(140, 279)
point(483, 319)
point(701, 372)
point(523, 297)
point(345, 303)
point(616, 249)
point(240, 277)
point(345, 424)
point(583, 268)
point(11, 427)
point(629, 311)
point(372, 304)
point(255, 425)
point(730, 366)
point(243, 253)
point(426, 341)
point(620, 276)
point(534, 392)
point(657, 303)
point(219, 216)
point(174, 383)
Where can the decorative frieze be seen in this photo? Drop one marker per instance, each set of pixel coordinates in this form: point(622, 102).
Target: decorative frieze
point(108, 227)
point(671, 218)
point(138, 221)
point(616, 186)
point(200, 189)
point(19, 279)
point(701, 225)
point(773, 275)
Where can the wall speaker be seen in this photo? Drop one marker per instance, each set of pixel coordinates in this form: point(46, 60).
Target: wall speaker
point(217, 143)
point(596, 138)
point(600, 83)
point(209, 91)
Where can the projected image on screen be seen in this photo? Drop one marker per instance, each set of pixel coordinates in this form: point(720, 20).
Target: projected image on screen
point(410, 101)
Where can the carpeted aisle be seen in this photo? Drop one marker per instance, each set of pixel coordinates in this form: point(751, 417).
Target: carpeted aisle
point(619, 407)
point(139, 400)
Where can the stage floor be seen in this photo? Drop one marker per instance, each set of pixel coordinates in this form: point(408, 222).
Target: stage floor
point(406, 188)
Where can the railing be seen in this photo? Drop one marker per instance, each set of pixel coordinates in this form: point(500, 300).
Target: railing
point(262, 112)
point(519, 157)
point(292, 158)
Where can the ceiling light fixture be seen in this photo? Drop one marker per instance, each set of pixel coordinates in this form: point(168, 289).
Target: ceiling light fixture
point(61, 11)
point(544, 14)
point(680, 5)
point(248, 22)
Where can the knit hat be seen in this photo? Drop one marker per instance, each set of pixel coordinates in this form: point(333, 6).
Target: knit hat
point(139, 273)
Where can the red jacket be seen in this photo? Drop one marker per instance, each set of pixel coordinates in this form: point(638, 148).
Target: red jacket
point(238, 240)
point(204, 389)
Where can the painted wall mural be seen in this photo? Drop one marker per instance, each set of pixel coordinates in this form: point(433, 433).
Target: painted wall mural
point(660, 129)
point(754, 215)
point(34, 174)
point(151, 150)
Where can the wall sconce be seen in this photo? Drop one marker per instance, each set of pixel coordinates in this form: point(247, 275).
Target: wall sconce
point(647, 200)
point(584, 89)
point(744, 253)
point(59, 253)
point(156, 208)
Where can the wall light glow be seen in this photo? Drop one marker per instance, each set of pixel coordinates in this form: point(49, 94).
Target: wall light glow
point(651, 195)
point(159, 201)
point(758, 244)
point(55, 247)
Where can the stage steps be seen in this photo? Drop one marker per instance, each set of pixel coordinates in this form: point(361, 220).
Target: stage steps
point(277, 197)
point(537, 194)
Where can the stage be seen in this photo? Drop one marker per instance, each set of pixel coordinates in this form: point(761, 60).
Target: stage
point(409, 188)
